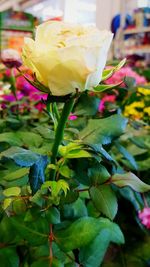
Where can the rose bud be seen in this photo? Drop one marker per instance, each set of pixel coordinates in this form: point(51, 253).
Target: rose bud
point(11, 58)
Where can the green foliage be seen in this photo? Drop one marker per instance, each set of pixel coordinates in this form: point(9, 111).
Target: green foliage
point(98, 175)
point(81, 232)
point(82, 109)
point(104, 200)
point(57, 220)
point(22, 157)
point(36, 232)
point(107, 73)
point(127, 155)
point(56, 187)
point(12, 191)
point(9, 257)
point(103, 87)
point(53, 215)
point(93, 254)
point(130, 179)
point(17, 174)
point(103, 131)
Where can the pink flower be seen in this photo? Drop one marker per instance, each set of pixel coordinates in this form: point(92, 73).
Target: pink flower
point(72, 117)
point(106, 98)
point(23, 85)
point(122, 73)
point(11, 97)
point(144, 216)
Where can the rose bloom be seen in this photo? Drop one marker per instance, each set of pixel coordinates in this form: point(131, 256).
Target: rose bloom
point(66, 57)
point(11, 58)
point(144, 216)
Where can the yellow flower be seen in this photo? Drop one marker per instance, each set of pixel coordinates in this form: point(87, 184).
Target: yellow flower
point(147, 110)
point(131, 110)
point(66, 57)
point(144, 91)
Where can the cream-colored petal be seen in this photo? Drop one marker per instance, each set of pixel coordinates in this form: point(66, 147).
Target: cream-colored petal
point(66, 77)
point(66, 56)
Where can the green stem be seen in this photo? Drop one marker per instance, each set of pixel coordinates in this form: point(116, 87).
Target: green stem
point(55, 108)
point(13, 83)
point(13, 89)
point(60, 132)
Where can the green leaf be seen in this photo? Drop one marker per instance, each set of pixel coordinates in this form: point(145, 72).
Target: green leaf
point(53, 215)
point(16, 174)
point(7, 231)
point(88, 110)
point(103, 131)
point(46, 263)
point(71, 264)
point(22, 157)
point(127, 155)
point(107, 73)
point(45, 132)
point(121, 64)
point(56, 187)
point(75, 210)
point(37, 173)
point(59, 254)
point(79, 233)
point(116, 234)
point(9, 257)
point(30, 139)
point(98, 175)
point(12, 191)
point(93, 254)
point(71, 196)
point(92, 211)
point(141, 141)
point(19, 206)
point(104, 200)
point(64, 150)
point(144, 165)
point(57, 263)
point(73, 150)
point(130, 179)
point(40, 251)
point(66, 171)
point(79, 153)
point(36, 232)
point(6, 203)
point(103, 153)
point(10, 138)
point(103, 87)
point(38, 199)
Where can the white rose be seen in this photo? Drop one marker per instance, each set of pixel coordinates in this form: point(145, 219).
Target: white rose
point(66, 57)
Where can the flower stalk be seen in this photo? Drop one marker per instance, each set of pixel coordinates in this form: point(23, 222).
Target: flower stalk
point(60, 132)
